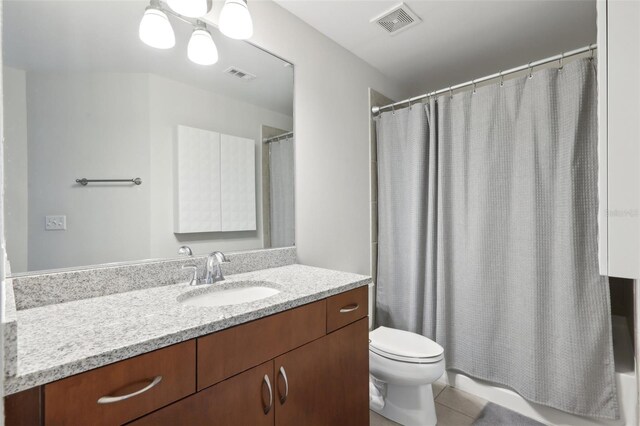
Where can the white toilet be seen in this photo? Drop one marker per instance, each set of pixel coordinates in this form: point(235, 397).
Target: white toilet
point(402, 367)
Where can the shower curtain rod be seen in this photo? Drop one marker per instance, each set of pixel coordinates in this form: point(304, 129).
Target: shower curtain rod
point(278, 138)
point(592, 47)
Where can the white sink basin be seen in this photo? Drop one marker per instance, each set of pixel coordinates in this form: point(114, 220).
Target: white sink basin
point(243, 292)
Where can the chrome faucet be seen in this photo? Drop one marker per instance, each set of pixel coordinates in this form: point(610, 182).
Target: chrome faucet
point(213, 272)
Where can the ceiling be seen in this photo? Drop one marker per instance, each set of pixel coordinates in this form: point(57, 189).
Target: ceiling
point(102, 36)
point(457, 40)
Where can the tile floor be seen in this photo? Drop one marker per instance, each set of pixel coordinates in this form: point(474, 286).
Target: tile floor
point(453, 407)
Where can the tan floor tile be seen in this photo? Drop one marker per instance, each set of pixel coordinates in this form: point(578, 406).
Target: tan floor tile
point(437, 388)
point(448, 417)
point(376, 419)
point(462, 402)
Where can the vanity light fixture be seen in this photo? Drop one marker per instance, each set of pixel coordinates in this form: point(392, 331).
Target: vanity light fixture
point(235, 20)
point(201, 49)
point(189, 8)
point(155, 29)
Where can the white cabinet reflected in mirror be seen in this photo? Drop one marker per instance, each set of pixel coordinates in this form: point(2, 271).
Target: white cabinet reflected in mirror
point(85, 98)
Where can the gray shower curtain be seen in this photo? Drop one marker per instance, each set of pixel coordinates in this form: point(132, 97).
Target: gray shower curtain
point(282, 208)
point(488, 236)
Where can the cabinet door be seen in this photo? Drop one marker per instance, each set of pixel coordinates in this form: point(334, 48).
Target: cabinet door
point(619, 134)
point(325, 382)
point(347, 354)
point(238, 183)
point(245, 399)
point(197, 181)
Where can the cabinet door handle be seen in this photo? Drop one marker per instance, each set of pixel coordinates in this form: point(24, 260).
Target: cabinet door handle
point(283, 398)
point(266, 381)
point(349, 308)
point(111, 399)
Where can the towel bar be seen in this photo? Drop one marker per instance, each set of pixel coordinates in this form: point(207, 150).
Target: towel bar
point(85, 181)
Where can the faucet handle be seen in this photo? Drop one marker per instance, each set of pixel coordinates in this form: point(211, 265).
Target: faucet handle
point(194, 279)
point(185, 251)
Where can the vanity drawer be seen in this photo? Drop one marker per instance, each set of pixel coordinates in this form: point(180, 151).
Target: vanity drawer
point(167, 374)
point(347, 307)
point(231, 351)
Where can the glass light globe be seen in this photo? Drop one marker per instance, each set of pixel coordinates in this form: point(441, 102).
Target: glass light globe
point(201, 49)
point(155, 29)
point(235, 20)
point(189, 8)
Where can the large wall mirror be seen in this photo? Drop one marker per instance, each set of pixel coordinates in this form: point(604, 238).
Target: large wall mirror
point(201, 155)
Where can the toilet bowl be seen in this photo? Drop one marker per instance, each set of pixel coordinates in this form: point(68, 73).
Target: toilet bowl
point(402, 367)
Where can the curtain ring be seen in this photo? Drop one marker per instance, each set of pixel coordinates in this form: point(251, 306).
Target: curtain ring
point(591, 57)
point(561, 61)
point(393, 110)
point(409, 104)
point(450, 93)
point(530, 70)
point(501, 79)
point(474, 85)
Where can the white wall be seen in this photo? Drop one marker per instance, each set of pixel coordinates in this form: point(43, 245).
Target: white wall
point(174, 103)
point(332, 138)
point(15, 154)
point(94, 126)
point(110, 125)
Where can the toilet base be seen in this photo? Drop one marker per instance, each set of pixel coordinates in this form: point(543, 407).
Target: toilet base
point(409, 405)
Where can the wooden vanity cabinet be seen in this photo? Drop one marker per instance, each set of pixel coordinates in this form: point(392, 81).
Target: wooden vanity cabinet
point(322, 383)
point(304, 366)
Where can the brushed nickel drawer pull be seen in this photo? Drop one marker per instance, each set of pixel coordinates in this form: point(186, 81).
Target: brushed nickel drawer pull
point(283, 398)
point(349, 308)
point(112, 399)
point(268, 383)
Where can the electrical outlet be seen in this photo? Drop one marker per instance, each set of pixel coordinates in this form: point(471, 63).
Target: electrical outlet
point(55, 223)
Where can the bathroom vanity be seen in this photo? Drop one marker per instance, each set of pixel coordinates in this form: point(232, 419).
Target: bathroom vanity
point(101, 325)
point(297, 357)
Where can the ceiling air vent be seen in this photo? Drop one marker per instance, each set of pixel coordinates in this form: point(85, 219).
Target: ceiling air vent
point(238, 73)
point(397, 19)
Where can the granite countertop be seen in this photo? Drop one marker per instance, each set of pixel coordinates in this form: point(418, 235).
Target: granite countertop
point(60, 340)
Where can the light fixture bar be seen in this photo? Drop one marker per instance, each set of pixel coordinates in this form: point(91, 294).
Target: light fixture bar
point(235, 22)
point(166, 9)
point(190, 8)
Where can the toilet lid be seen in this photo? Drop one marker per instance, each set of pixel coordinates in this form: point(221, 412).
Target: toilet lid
point(404, 345)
